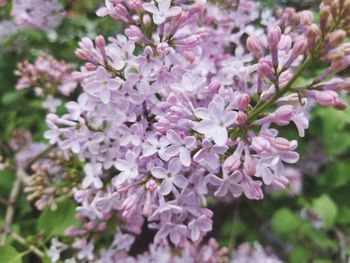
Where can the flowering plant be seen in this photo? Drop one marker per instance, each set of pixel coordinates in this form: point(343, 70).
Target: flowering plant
point(183, 110)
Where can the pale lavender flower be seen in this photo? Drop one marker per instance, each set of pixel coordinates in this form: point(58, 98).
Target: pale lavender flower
point(55, 249)
point(170, 177)
point(209, 154)
point(161, 12)
point(127, 167)
point(103, 85)
point(180, 147)
point(215, 120)
point(92, 175)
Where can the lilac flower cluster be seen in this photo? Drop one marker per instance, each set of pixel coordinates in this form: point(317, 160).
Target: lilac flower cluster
point(47, 76)
point(256, 253)
point(37, 14)
point(189, 117)
point(207, 253)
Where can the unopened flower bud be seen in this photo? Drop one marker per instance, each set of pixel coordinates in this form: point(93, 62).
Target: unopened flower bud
point(120, 10)
point(336, 38)
point(305, 17)
point(274, 36)
point(86, 43)
point(265, 69)
point(82, 54)
point(345, 85)
point(260, 144)
point(324, 14)
point(232, 163)
point(134, 33)
point(312, 34)
point(241, 118)
point(243, 101)
point(254, 46)
point(285, 43)
point(340, 64)
point(249, 166)
point(299, 47)
point(340, 105)
point(100, 42)
point(283, 114)
point(328, 98)
point(335, 8)
point(281, 144)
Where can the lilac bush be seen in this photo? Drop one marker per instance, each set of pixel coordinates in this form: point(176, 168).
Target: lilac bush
point(182, 110)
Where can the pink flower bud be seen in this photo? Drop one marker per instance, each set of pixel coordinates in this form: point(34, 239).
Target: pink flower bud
point(265, 69)
point(299, 47)
point(345, 85)
point(274, 36)
point(243, 101)
point(327, 98)
point(232, 163)
point(163, 48)
point(281, 144)
point(213, 87)
point(324, 14)
point(86, 43)
point(82, 54)
point(340, 64)
point(341, 104)
point(336, 38)
point(285, 43)
point(90, 67)
point(305, 17)
point(283, 114)
point(90, 225)
point(241, 118)
point(100, 42)
point(260, 144)
point(120, 10)
point(134, 33)
point(254, 46)
point(249, 166)
point(313, 33)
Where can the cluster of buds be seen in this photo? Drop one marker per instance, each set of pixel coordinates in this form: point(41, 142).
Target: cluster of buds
point(48, 77)
point(48, 182)
point(19, 139)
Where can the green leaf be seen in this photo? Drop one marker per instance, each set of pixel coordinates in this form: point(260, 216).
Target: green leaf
point(13, 96)
point(284, 221)
point(55, 222)
point(9, 254)
point(326, 209)
point(299, 255)
point(333, 123)
point(343, 215)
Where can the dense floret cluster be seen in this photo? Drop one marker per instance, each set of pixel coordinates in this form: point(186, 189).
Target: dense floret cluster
point(185, 106)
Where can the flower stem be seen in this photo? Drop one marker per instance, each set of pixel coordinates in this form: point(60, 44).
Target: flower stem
point(256, 112)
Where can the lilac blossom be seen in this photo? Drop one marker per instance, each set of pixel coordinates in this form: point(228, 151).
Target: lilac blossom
point(42, 14)
point(161, 12)
point(170, 177)
point(180, 119)
point(215, 120)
